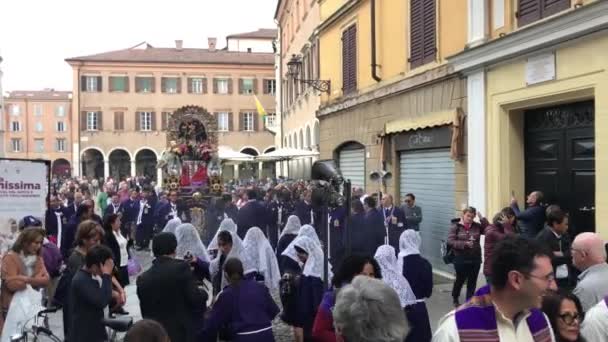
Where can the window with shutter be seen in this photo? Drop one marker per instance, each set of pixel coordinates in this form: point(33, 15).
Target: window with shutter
point(529, 11)
point(550, 7)
point(349, 60)
point(423, 32)
point(119, 121)
point(230, 122)
point(164, 121)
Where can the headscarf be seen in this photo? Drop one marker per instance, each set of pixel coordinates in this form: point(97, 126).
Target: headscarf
point(307, 231)
point(188, 240)
point(409, 244)
point(262, 257)
point(237, 251)
point(228, 225)
point(292, 226)
point(314, 265)
point(171, 225)
point(391, 275)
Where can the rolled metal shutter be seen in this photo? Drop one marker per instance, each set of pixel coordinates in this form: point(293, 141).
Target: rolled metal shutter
point(429, 175)
point(352, 166)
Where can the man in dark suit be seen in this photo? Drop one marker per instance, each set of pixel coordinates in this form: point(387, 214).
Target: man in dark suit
point(72, 207)
point(304, 209)
point(168, 293)
point(56, 218)
point(145, 221)
point(554, 236)
point(374, 224)
point(532, 220)
point(168, 211)
point(394, 220)
point(115, 206)
point(252, 214)
point(130, 212)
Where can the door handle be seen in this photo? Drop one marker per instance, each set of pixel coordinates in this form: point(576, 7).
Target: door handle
point(586, 209)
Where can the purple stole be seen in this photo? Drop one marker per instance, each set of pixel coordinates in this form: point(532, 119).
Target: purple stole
point(476, 320)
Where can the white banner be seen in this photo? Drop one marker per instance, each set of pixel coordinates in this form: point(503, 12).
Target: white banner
point(23, 192)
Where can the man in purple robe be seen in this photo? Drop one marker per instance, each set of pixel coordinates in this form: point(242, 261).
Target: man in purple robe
point(508, 309)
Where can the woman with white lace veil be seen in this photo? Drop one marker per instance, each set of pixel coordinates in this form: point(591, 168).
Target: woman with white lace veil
point(171, 225)
point(263, 262)
point(289, 233)
point(291, 261)
point(385, 256)
point(419, 273)
point(188, 240)
point(226, 225)
point(309, 290)
point(229, 245)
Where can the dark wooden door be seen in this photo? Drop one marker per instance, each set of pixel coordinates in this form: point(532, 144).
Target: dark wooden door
point(560, 159)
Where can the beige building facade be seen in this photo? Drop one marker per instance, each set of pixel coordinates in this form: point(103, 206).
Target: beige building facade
point(38, 125)
point(298, 20)
point(123, 99)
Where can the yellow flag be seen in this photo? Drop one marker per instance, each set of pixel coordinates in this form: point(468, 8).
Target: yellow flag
point(259, 106)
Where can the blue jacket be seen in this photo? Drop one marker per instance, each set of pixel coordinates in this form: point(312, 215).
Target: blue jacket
point(130, 210)
point(531, 221)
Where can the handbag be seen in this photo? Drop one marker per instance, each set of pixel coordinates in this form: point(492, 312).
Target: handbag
point(447, 253)
point(133, 267)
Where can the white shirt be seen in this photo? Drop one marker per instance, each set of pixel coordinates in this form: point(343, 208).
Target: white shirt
point(142, 207)
point(115, 207)
point(508, 330)
point(122, 244)
point(595, 325)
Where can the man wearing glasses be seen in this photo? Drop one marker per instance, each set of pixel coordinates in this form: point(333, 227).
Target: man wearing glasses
point(413, 213)
point(507, 310)
point(589, 257)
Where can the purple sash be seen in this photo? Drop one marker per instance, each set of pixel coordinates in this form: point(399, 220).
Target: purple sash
point(476, 320)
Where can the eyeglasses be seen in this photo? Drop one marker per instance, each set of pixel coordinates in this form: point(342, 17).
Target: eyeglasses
point(548, 278)
point(570, 318)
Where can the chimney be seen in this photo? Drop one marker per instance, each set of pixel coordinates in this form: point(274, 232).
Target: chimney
point(212, 43)
point(178, 44)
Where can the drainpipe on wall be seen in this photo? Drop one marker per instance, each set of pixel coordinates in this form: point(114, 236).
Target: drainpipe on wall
point(373, 42)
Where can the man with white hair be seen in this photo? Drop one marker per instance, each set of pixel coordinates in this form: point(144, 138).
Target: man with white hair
point(589, 257)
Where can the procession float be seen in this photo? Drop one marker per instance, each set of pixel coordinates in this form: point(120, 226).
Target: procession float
point(190, 163)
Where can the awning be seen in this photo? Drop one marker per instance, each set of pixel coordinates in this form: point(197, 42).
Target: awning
point(286, 154)
point(433, 119)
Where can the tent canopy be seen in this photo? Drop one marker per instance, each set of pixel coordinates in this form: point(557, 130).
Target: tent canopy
point(227, 154)
point(286, 154)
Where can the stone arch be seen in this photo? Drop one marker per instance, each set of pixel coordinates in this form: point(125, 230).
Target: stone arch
point(146, 160)
point(316, 134)
point(270, 149)
point(92, 162)
point(61, 168)
point(250, 150)
point(301, 139)
point(120, 163)
point(308, 143)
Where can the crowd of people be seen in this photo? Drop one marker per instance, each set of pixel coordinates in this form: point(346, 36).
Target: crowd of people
point(260, 244)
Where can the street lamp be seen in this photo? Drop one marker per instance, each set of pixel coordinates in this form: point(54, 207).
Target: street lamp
point(293, 71)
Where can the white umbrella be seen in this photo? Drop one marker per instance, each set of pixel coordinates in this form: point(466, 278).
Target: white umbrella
point(227, 154)
point(287, 153)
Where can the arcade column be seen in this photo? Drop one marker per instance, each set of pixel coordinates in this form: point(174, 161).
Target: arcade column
point(106, 169)
point(133, 168)
point(159, 176)
point(260, 170)
point(236, 171)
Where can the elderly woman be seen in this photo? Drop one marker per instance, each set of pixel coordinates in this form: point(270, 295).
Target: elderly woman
point(308, 289)
point(263, 265)
point(23, 266)
point(419, 274)
point(368, 310)
point(289, 233)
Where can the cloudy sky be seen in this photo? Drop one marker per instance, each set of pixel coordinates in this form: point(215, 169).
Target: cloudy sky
point(37, 35)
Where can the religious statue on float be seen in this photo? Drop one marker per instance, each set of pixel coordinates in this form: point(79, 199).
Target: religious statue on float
point(191, 155)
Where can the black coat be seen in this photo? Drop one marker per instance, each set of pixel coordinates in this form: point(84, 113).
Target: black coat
point(110, 241)
point(547, 238)
point(367, 233)
point(168, 294)
point(302, 211)
point(87, 301)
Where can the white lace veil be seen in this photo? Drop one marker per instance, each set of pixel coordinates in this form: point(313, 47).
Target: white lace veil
point(237, 251)
point(171, 225)
point(314, 265)
point(263, 260)
point(228, 225)
point(385, 256)
point(308, 231)
point(292, 226)
point(188, 240)
point(409, 244)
